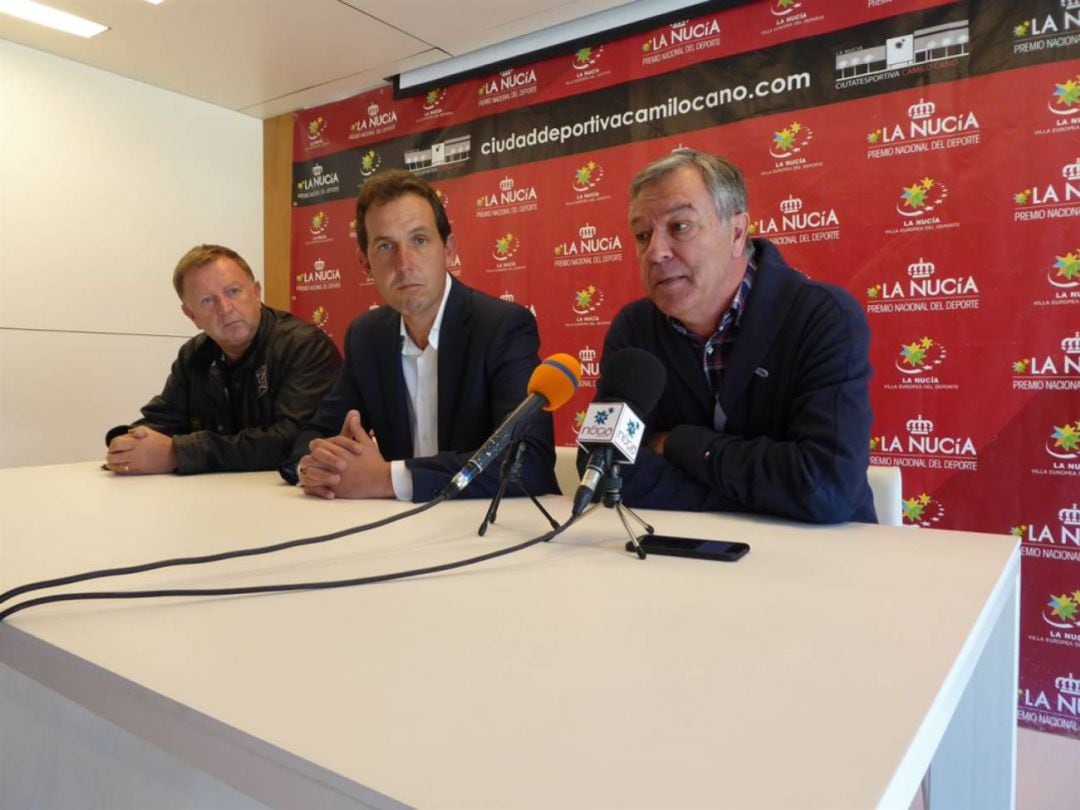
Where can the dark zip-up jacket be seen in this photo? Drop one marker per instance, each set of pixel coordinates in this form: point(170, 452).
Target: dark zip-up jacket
point(796, 440)
point(228, 418)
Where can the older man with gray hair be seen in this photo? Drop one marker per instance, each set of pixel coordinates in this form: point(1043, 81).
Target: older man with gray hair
point(766, 405)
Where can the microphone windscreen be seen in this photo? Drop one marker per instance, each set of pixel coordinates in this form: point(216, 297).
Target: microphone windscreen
point(634, 376)
point(556, 379)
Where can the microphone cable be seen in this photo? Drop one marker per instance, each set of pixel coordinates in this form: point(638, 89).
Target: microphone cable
point(295, 586)
point(208, 558)
point(555, 380)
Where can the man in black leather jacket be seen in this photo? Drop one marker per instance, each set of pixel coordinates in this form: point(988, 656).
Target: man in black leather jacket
point(239, 392)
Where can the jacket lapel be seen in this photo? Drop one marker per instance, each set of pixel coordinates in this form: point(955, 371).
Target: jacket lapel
point(453, 354)
point(391, 380)
point(766, 308)
point(686, 366)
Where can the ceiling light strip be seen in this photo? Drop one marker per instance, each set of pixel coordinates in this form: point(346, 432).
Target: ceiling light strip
point(51, 17)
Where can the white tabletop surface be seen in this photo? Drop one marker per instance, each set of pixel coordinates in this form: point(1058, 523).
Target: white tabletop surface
point(570, 674)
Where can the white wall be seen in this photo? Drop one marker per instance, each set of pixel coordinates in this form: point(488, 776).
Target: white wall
point(104, 183)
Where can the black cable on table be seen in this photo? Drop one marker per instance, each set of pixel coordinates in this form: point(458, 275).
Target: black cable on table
point(294, 586)
point(224, 555)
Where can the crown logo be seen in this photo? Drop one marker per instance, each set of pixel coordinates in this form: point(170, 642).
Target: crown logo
point(507, 296)
point(1071, 171)
point(1070, 517)
point(587, 355)
point(587, 231)
point(373, 109)
point(1071, 345)
point(924, 109)
point(919, 426)
point(1068, 5)
point(679, 24)
point(506, 183)
point(792, 205)
point(316, 170)
point(319, 265)
point(506, 72)
point(920, 269)
point(1069, 685)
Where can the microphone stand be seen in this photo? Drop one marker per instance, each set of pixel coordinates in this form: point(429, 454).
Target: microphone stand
point(612, 499)
point(510, 473)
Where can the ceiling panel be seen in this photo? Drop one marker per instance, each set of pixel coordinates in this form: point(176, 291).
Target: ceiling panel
point(468, 25)
point(267, 57)
point(337, 89)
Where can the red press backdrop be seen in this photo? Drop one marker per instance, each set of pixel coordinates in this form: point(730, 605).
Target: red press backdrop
point(924, 154)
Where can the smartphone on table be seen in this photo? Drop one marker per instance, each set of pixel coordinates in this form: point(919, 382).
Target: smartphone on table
point(723, 550)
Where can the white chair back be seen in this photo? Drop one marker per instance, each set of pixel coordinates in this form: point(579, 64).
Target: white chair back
point(885, 483)
point(566, 470)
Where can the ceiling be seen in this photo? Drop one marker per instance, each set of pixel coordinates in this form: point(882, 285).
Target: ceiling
point(268, 57)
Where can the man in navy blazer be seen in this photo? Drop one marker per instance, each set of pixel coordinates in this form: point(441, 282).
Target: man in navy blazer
point(428, 376)
point(766, 405)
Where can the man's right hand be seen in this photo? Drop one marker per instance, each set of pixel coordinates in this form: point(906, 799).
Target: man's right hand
point(348, 465)
point(141, 451)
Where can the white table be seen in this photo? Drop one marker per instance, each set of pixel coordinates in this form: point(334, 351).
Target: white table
point(823, 670)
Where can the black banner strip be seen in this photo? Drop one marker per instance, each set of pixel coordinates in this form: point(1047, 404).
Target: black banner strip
point(883, 56)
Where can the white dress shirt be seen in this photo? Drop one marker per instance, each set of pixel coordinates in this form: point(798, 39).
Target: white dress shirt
point(421, 370)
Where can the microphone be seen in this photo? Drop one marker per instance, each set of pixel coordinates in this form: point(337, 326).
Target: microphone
point(629, 389)
point(551, 386)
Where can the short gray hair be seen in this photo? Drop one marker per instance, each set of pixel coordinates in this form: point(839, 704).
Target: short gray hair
point(722, 179)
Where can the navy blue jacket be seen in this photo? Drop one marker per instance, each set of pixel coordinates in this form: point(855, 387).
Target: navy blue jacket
point(796, 442)
point(487, 352)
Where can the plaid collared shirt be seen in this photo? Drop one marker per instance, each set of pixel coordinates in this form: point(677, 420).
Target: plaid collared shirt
point(714, 352)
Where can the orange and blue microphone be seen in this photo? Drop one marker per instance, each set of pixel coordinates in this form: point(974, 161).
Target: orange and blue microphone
point(551, 386)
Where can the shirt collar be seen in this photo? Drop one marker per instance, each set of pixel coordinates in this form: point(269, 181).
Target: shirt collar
point(733, 314)
point(407, 345)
